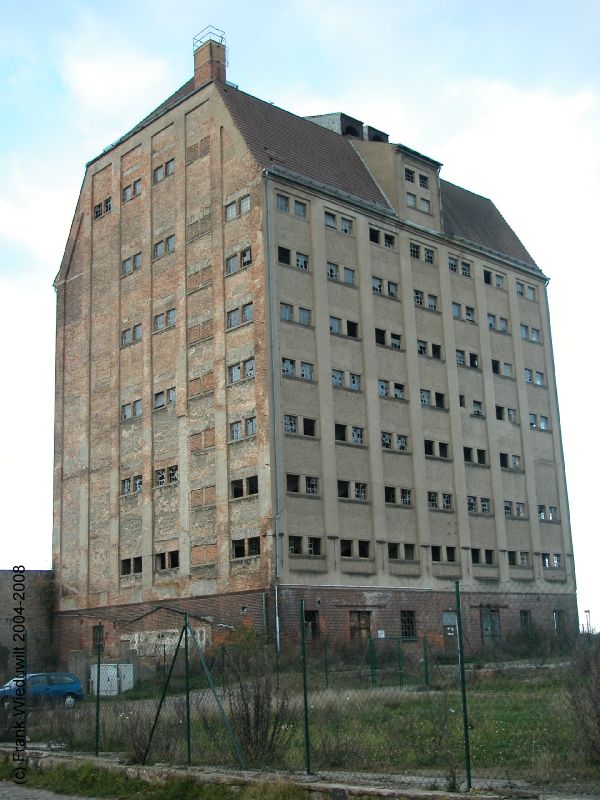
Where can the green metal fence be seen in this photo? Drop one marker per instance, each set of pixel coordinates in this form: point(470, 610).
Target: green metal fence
point(394, 710)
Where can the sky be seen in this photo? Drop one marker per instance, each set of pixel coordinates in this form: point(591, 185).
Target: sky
point(506, 96)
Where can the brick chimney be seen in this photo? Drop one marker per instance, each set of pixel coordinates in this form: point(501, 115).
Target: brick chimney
point(209, 63)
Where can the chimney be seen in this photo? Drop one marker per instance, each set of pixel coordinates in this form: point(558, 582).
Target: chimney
point(210, 62)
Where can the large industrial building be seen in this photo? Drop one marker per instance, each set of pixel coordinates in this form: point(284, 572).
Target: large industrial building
point(293, 362)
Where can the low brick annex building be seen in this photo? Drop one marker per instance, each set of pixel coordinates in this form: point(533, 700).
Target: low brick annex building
point(292, 362)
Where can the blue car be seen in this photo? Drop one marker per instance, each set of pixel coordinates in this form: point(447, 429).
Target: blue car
point(62, 687)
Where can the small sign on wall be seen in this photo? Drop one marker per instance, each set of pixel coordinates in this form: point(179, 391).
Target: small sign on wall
point(381, 634)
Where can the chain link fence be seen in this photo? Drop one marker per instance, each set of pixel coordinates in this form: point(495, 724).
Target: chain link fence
point(503, 711)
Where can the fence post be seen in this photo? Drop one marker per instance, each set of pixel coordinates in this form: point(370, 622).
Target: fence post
point(372, 663)
point(425, 663)
point(400, 665)
point(326, 665)
point(98, 639)
point(463, 686)
point(188, 730)
point(305, 690)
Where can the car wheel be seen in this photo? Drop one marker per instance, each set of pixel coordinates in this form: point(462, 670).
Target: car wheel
point(69, 700)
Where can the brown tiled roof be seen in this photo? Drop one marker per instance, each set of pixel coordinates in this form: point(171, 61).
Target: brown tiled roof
point(469, 216)
point(279, 138)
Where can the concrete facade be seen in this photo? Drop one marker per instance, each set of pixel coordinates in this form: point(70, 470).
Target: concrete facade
point(269, 384)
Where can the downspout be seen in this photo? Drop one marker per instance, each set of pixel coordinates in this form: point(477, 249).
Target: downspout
point(275, 427)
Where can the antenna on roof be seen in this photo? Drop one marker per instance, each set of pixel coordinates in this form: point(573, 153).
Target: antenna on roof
point(209, 33)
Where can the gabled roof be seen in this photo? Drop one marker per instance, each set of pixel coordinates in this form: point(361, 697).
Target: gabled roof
point(476, 219)
point(279, 138)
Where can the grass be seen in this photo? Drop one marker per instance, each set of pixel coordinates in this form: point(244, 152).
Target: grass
point(521, 726)
point(90, 781)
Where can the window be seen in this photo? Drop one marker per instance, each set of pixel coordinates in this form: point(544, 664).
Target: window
point(374, 235)
point(395, 341)
point(330, 220)
point(163, 476)
point(103, 208)
point(358, 435)
point(233, 318)
point(355, 382)
point(231, 264)
point(432, 499)
point(231, 211)
point(440, 400)
point(379, 336)
point(515, 462)
point(540, 379)
point(520, 289)
point(398, 391)
point(386, 440)
point(408, 624)
point(487, 276)
point(248, 312)
point(301, 261)
point(405, 498)
point(282, 203)
point(528, 375)
point(471, 503)
point(340, 432)
point(489, 557)
point(392, 289)
point(460, 358)
point(478, 408)
point(401, 441)
point(312, 485)
point(415, 250)
point(425, 397)
point(429, 451)
point(306, 371)
point(491, 319)
point(364, 548)
point(360, 625)
point(424, 205)
point(304, 316)
point(428, 255)
point(499, 281)
point(541, 512)
point(309, 427)
point(553, 513)
point(524, 331)
point(423, 181)
point(377, 285)
point(469, 314)
point(295, 545)
point(418, 297)
point(332, 271)
point(456, 310)
point(337, 377)
point(389, 240)
point(502, 325)
point(131, 410)
point(235, 431)
point(452, 263)
point(421, 347)
point(288, 366)
point(447, 502)
point(352, 329)
point(544, 423)
point(409, 175)
point(383, 388)
point(130, 264)
point(335, 325)
point(476, 555)
point(536, 335)
point(485, 505)
point(532, 421)
point(432, 302)
point(343, 489)
point(465, 269)
point(393, 549)
point(314, 546)
point(346, 226)
point(286, 312)
point(530, 293)
point(349, 276)
point(411, 200)
point(525, 622)
point(290, 423)
point(360, 491)
point(443, 449)
point(284, 255)
point(234, 373)
point(451, 554)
